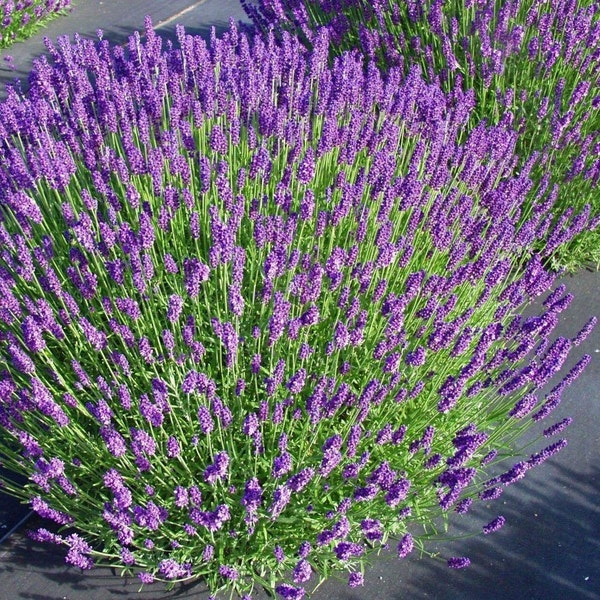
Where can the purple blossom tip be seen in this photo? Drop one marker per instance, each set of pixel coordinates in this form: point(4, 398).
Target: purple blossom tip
point(356, 580)
point(459, 562)
point(405, 545)
point(494, 525)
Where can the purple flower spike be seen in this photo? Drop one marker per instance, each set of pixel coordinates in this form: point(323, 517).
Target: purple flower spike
point(32, 334)
point(146, 577)
point(302, 571)
point(459, 562)
point(290, 592)
point(78, 549)
point(175, 308)
point(218, 469)
point(205, 419)
point(558, 427)
point(173, 447)
point(228, 572)
point(252, 496)
point(196, 273)
point(282, 465)
point(494, 525)
point(356, 580)
point(171, 569)
point(405, 545)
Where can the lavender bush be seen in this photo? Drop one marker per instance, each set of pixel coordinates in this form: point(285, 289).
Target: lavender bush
point(262, 316)
point(23, 18)
point(540, 61)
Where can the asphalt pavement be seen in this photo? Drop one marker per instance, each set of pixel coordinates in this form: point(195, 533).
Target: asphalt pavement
point(549, 548)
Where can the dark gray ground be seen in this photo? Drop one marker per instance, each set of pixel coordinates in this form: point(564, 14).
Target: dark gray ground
point(548, 550)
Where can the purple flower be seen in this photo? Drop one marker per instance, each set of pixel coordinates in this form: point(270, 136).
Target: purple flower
point(383, 475)
point(142, 442)
point(331, 458)
point(366, 494)
point(173, 447)
point(346, 550)
point(416, 358)
point(171, 569)
point(146, 350)
point(129, 306)
point(208, 553)
point(228, 572)
point(151, 517)
point(494, 525)
point(218, 469)
point(32, 334)
point(170, 264)
point(95, 337)
point(356, 579)
point(43, 401)
point(189, 382)
point(297, 381)
point(218, 141)
point(212, 520)
point(302, 571)
point(491, 493)
point(252, 496)
point(515, 473)
point(78, 549)
point(545, 454)
point(175, 308)
point(46, 512)
point(281, 498)
point(558, 427)
point(405, 545)
point(458, 562)
point(282, 464)
point(279, 554)
point(251, 424)
point(306, 168)
point(372, 529)
point(114, 441)
point(585, 332)
point(279, 319)
point(463, 506)
point(181, 497)
point(304, 549)
point(299, 481)
point(256, 360)
point(127, 556)
point(153, 413)
point(290, 592)
point(524, 406)
point(227, 333)
point(43, 535)
point(195, 273)
point(146, 577)
point(489, 457)
point(398, 435)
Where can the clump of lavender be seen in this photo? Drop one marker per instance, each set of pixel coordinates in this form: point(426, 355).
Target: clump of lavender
point(537, 62)
point(19, 19)
point(261, 314)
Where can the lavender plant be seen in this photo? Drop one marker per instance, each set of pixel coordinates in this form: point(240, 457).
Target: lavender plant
point(540, 61)
point(23, 18)
point(261, 315)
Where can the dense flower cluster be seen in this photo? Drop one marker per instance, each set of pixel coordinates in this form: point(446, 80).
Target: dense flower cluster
point(258, 310)
point(20, 18)
point(540, 61)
